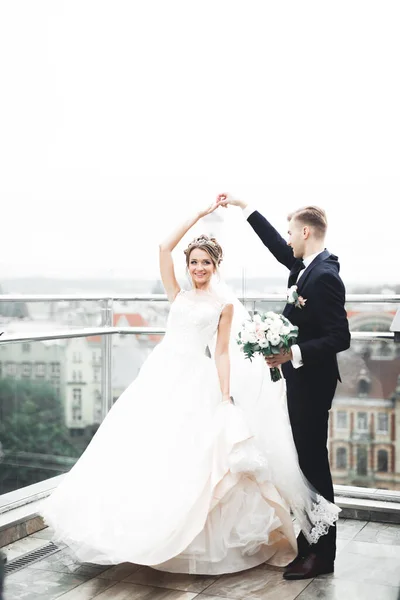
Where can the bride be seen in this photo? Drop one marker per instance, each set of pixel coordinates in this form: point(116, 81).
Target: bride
point(178, 477)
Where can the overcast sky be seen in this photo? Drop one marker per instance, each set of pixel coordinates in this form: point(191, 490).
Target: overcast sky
point(119, 119)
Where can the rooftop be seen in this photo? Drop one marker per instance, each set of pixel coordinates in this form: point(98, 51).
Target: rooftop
point(367, 568)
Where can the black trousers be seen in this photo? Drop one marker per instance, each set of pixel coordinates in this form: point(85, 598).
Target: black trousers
point(309, 400)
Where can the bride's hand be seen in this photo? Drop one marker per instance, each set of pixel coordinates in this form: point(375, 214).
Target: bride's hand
point(210, 209)
point(225, 199)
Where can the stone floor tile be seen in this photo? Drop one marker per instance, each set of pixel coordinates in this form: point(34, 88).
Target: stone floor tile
point(120, 572)
point(63, 562)
point(204, 596)
point(339, 589)
point(373, 549)
point(88, 590)
point(171, 581)
point(261, 583)
point(44, 584)
point(131, 591)
point(341, 544)
point(379, 533)
point(358, 567)
point(347, 529)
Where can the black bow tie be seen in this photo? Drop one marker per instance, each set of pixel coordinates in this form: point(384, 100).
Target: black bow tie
point(294, 272)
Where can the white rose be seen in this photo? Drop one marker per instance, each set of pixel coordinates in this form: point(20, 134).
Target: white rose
point(275, 339)
point(257, 319)
point(270, 314)
point(263, 343)
point(253, 338)
point(275, 328)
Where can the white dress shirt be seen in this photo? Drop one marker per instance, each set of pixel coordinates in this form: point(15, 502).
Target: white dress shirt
point(297, 360)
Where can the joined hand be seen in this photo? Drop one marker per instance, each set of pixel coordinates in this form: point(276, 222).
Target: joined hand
point(275, 360)
point(225, 199)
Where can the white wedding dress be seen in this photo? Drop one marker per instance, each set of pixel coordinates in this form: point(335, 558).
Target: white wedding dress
point(179, 480)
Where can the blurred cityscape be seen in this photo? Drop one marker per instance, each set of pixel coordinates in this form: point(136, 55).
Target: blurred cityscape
point(51, 391)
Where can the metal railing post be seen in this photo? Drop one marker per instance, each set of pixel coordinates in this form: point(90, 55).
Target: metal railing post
point(106, 358)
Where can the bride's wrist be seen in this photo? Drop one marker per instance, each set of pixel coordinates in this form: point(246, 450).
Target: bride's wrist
point(226, 398)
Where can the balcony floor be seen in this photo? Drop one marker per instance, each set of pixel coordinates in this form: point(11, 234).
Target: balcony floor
point(367, 567)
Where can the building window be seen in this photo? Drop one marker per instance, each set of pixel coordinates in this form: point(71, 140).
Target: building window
point(55, 369)
point(26, 370)
point(364, 387)
point(77, 404)
point(76, 357)
point(26, 347)
point(341, 458)
point(341, 419)
point(362, 461)
point(383, 423)
point(97, 407)
point(40, 369)
point(383, 461)
point(11, 369)
point(362, 421)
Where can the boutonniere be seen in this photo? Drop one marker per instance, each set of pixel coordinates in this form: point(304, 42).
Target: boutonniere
point(294, 298)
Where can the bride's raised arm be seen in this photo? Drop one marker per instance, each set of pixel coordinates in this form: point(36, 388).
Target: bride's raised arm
point(167, 270)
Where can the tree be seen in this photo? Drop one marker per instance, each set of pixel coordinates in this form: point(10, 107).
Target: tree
point(34, 439)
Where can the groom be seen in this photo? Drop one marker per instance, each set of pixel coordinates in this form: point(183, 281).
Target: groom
point(311, 368)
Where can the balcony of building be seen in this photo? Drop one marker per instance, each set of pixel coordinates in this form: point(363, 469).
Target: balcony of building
point(72, 372)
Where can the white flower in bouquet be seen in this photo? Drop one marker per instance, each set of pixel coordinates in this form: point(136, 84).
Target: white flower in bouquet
point(267, 334)
point(273, 338)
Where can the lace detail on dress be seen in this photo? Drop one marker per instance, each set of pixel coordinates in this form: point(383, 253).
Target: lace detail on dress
point(193, 320)
point(323, 515)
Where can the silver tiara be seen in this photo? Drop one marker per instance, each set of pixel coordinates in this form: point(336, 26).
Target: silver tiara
point(202, 240)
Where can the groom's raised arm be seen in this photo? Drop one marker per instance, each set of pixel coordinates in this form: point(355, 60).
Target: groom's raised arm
point(270, 237)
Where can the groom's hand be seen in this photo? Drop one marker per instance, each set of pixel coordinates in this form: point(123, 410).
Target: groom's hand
point(225, 199)
point(275, 360)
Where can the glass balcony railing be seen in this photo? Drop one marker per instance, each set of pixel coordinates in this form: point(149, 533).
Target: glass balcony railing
point(65, 360)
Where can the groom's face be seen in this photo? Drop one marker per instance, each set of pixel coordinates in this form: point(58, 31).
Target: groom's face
point(297, 238)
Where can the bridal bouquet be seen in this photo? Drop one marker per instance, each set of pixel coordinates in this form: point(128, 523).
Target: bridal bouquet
point(267, 334)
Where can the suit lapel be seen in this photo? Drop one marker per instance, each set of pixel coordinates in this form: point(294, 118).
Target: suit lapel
point(317, 260)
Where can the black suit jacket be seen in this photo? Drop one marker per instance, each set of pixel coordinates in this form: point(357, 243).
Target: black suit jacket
point(322, 323)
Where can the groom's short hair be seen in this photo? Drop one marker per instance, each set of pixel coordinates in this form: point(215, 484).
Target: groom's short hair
point(313, 216)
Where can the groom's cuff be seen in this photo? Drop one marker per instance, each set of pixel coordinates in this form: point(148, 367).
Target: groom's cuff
point(248, 211)
point(297, 360)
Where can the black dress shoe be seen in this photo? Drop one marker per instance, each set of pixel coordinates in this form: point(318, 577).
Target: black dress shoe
point(294, 561)
point(308, 567)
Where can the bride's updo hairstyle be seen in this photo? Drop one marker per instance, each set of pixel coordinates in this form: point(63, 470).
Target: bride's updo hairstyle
point(209, 245)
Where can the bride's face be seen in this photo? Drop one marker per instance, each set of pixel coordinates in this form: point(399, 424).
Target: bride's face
point(201, 267)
